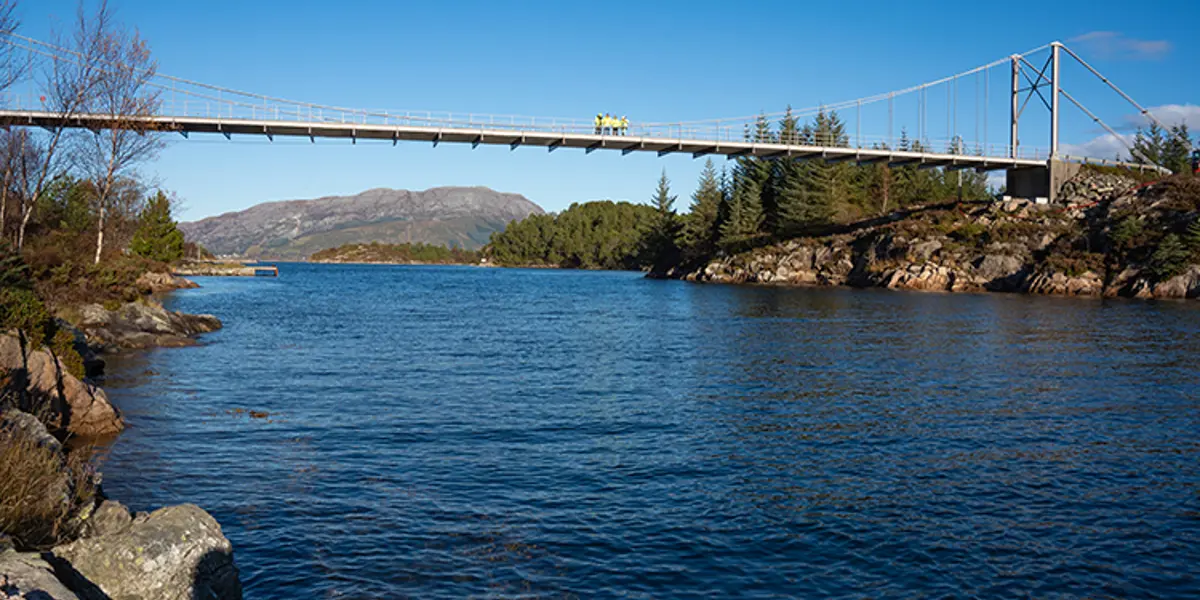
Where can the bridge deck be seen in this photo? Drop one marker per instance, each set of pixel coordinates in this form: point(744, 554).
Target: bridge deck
point(549, 139)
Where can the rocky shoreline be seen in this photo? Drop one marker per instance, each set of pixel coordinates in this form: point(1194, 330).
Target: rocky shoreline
point(225, 269)
point(1009, 246)
point(96, 548)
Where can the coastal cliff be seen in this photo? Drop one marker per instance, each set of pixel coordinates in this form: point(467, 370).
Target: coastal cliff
point(1114, 237)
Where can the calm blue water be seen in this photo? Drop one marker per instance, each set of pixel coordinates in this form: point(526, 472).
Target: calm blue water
point(455, 432)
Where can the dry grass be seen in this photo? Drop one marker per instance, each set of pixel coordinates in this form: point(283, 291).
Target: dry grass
point(42, 492)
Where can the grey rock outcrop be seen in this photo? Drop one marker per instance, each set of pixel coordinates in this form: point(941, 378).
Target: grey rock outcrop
point(174, 553)
point(14, 423)
point(1000, 246)
point(110, 518)
point(36, 376)
point(27, 575)
point(1062, 284)
point(157, 283)
point(142, 324)
point(1186, 285)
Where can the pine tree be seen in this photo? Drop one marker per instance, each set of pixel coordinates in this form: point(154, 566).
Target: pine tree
point(754, 168)
point(1192, 239)
point(1177, 149)
point(700, 224)
point(911, 185)
point(157, 237)
point(805, 199)
point(877, 181)
point(662, 242)
point(1170, 258)
point(1148, 145)
point(781, 171)
point(724, 208)
point(745, 212)
point(1170, 148)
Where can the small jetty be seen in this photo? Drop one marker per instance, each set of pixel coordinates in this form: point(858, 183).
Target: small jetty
point(219, 268)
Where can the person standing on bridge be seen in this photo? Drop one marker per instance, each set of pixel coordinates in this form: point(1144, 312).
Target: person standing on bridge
point(607, 125)
point(599, 122)
point(624, 125)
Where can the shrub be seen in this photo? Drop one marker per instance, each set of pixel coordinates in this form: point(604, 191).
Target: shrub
point(1138, 175)
point(14, 273)
point(62, 346)
point(1127, 235)
point(1073, 263)
point(1169, 259)
point(1182, 193)
point(41, 492)
point(969, 232)
point(22, 310)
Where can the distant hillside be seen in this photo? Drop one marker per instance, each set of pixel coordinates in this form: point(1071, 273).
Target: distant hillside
point(397, 254)
point(295, 229)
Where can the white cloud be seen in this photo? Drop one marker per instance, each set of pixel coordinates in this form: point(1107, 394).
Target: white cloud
point(1107, 146)
point(1115, 45)
point(1169, 115)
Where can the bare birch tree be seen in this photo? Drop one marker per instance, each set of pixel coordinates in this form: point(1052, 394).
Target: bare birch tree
point(126, 100)
point(13, 64)
point(67, 81)
point(13, 67)
point(7, 148)
point(21, 156)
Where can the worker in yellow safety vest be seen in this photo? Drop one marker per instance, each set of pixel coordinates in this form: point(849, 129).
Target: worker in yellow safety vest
point(599, 122)
point(624, 125)
point(607, 127)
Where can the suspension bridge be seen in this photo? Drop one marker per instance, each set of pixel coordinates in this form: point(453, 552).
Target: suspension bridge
point(188, 107)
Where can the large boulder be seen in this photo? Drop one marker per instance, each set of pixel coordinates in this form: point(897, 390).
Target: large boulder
point(143, 324)
point(76, 407)
point(27, 575)
point(1000, 272)
point(174, 553)
point(1185, 285)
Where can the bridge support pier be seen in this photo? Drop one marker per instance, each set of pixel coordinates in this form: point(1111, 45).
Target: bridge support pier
point(1040, 183)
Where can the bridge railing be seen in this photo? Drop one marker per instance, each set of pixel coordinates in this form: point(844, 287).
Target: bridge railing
point(218, 106)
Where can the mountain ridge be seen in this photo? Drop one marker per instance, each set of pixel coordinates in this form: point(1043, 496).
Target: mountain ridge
point(292, 229)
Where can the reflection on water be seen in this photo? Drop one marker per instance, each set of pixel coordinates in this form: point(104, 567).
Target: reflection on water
point(451, 432)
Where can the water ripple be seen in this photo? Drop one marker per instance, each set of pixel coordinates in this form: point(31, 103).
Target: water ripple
point(456, 432)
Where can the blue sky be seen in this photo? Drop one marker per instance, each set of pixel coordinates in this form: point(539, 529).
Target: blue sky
point(653, 61)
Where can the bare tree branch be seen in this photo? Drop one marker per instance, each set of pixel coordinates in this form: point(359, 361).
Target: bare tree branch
point(67, 84)
point(13, 65)
point(13, 68)
point(123, 94)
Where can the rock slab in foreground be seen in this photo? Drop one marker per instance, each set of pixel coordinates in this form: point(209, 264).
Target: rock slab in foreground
point(82, 409)
point(143, 324)
point(27, 575)
point(174, 553)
